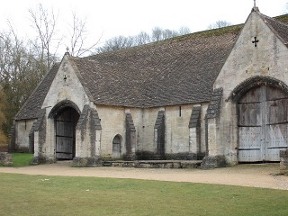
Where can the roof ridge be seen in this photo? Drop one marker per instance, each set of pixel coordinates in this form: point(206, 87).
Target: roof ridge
point(78, 74)
point(206, 32)
point(274, 19)
point(21, 114)
point(279, 28)
point(209, 32)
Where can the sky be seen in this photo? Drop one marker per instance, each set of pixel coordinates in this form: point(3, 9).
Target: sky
point(109, 18)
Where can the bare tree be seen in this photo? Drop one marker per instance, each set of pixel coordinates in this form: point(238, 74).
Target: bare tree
point(3, 107)
point(157, 34)
point(167, 33)
point(78, 37)
point(17, 73)
point(219, 24)
point(23, 63)
point(142, 38)
point(117, 43)
point(184, 30)
point(44, 22)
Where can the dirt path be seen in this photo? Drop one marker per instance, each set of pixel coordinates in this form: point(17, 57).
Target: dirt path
point(264, 175)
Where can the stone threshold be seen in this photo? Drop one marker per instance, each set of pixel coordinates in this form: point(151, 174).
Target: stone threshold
point(177, 164)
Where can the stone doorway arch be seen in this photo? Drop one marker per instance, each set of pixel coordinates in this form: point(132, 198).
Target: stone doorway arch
point(66, 115)
point(262, 118)
point(116, 146)
point(262, 124)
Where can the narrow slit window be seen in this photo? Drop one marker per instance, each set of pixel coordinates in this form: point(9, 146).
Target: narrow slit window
point(180, 111)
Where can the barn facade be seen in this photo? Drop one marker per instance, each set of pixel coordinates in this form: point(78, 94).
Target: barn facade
point(220, 92)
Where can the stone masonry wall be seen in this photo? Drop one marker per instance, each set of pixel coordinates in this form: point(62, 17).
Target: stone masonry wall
point(113, 123)
point(284, 162)
point(23, 130)
point(177, 129)
point(268, 59)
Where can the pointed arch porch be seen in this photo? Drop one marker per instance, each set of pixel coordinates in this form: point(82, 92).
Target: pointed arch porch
point(65, 115)
point(262, 110)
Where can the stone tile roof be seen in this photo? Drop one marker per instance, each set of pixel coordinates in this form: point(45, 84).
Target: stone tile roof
point(171, 72)
point(176, 71)
point(214, 106)
point(278, 27)
point(195, 117)
point(32, 107)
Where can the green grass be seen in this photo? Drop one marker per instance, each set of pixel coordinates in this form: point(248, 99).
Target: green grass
point(47, 195)
point(21, 159)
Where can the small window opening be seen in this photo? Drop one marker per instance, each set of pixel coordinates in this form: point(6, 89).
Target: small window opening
point(25, 125)
point(180, 111)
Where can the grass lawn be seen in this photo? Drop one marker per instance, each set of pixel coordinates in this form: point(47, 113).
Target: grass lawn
point(21, 159)
point(50, 195)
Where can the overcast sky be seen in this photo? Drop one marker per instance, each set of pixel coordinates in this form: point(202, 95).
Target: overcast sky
point(129, 17)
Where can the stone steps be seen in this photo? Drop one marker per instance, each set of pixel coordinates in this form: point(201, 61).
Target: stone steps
point(177, 164)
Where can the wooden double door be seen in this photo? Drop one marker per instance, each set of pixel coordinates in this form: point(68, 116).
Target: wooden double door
point(65, 127)
point(262, 124)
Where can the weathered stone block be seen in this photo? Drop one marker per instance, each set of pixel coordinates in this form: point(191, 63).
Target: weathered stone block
point(40, 160)
point(284, 162)
point(129, 157)
point(168, 165)
point(5, 159)
point(142, 165)
point(128, 164)
point(177, 165)
point(145, 155)
point(3, 148)
point(189, 165)
point(210, 162)
point(86, 162)
point(181, 156)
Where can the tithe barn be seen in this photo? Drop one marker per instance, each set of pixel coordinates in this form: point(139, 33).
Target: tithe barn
point(217, 93)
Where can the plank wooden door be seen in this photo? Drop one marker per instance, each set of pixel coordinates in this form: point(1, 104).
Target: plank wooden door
point(65, 124)
point(116, 147)
point(262, 124)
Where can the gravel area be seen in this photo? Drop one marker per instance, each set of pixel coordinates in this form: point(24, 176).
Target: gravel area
point(256, 175)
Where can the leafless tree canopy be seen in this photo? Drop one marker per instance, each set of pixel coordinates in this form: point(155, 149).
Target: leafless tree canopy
point(45, 25)
point(219, 24)
point(20, 72)
point(78, 36)
point(24, 62)
point(157, 34)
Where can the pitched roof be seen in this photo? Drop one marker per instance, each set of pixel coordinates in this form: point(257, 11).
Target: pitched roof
point(175, 71)
point(32, 106)
point(279, 28)
point(171, 72)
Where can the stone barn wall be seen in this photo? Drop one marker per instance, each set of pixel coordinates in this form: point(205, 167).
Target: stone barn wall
point(246, 60)
point(284, 162)
point(23, 129)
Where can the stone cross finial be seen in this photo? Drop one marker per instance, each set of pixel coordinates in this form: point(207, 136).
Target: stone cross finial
point(255, 41)
point(67, 51)
point(255, 8)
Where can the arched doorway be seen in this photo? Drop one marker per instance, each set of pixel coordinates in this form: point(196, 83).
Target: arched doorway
point(262, 124)
point(65, 128)
point(116, 147)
